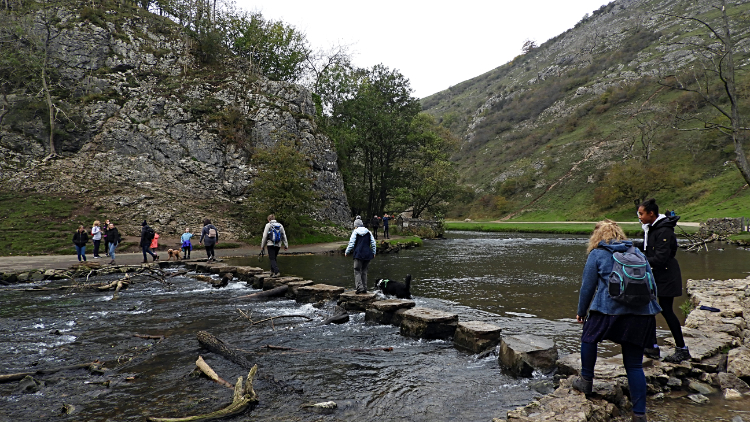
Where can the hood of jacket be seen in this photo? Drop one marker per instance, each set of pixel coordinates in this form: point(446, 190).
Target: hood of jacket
point(616, 246)
point(666, 221)
point(361, 231)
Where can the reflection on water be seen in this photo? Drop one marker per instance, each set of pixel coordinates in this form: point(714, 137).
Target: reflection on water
point(523, 283)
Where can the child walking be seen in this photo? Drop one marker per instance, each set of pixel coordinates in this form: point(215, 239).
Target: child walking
point(187, 246)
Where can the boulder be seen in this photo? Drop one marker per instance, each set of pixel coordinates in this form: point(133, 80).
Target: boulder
point(726, 380)
point(522, 354)
point(476, 336)
point(700, 387)
point(738, 362)
point(564, 405)
point(428, 323)
point(352, 301)
point(318, 292)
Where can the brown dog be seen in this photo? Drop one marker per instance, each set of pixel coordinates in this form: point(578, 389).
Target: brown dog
point(174, 253)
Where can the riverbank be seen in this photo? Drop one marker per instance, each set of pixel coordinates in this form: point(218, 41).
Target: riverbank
point(632, 229)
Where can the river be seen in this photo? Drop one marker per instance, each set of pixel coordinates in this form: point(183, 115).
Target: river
point(524, 283)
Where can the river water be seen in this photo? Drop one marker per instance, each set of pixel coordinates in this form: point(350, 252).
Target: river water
point(523, 283)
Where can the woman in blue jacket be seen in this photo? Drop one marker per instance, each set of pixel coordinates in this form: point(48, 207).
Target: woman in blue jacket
point(633, 327)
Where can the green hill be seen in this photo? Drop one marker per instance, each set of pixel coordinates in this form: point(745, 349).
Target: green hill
point(583, 125)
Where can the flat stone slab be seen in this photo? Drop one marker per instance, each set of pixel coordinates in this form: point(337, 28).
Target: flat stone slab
point(476, 336)
point(258, 279)
point(428, 323)
point(352, 301)
point(606, 368)
point(391, 305)
point(222, 269)
point(244, 273)
point(273, 282)
point(318, 292)
point(294, 285)
point(522, 354)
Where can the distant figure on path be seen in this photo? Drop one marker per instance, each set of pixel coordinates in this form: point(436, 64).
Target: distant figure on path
point(209, 239)
point(147, 235)
point(187, 245)
point(631, 326)
point(104, 237)
point(80, 238)
point(660, 247)
point(363, 246)
point(386, 219)
point(113, 239)
point(374, 224)
point(96, 237)
point(273, 236)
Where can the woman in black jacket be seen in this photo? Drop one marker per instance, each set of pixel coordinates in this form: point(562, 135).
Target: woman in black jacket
point(80, 238)
point(113, 238)
point(660, 247)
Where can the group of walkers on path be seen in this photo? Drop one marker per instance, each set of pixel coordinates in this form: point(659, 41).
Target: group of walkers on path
point(632, 325)
point(108, 233)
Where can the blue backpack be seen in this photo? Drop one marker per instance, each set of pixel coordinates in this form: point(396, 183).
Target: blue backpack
point(630, 282)
point(275, 233)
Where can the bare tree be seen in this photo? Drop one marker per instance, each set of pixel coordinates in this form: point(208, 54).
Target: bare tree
point(716, 63)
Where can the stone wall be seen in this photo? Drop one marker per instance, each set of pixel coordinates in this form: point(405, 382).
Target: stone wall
point(724, 226)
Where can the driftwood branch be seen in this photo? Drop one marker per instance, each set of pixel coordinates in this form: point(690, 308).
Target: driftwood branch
point(244, 396)
point(149, 336)
point(21, 375)
point(276, 291)
point(203, 366)
point(216, 345)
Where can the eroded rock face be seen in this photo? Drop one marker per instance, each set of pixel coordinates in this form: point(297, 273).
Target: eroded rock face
point(154, 135)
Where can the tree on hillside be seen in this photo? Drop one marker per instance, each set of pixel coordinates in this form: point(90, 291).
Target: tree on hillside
point(712, 78)
point(371, 127)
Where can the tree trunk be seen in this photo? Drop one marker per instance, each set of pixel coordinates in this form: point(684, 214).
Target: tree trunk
point(275, 292)
point(215, 345)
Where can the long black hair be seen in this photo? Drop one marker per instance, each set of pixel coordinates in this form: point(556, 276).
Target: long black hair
point(649, 205)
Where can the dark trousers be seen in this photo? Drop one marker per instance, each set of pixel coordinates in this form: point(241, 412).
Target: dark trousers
point(386, 235)
point(96, 248)
point(106, 246)
point(147, 250)
point(186, 252)
point(273, 253)
point(210, 251)
point(375, 232)
point(667, 311)
point(632, 359)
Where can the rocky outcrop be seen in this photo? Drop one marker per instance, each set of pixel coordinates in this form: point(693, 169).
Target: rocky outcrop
point(151, 134)
point(723, 226)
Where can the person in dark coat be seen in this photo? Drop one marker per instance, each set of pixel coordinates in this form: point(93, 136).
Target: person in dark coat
point(113, 239)
point(80, 238)
point(363, 247)
point(147, 235)
point(660, 247)
point(209, 239)
point(374, 224)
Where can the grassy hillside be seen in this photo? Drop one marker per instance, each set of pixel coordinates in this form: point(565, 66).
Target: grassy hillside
point(555, 133)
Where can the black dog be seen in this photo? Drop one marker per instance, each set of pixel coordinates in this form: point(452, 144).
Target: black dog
point(396, 288)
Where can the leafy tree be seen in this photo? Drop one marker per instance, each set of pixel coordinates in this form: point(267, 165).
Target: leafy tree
point(372, 128)
point(284, 184)
point(712, 78)
point(430, 176)
point(632, 182)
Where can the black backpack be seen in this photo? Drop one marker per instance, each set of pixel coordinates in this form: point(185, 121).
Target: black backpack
point(149, 233)
point(630, 282)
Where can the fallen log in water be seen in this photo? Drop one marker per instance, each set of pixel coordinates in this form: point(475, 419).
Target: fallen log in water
point(340, 316)
point(276, 291)
point(22, 375)
point(216, 345)
point(244, 396)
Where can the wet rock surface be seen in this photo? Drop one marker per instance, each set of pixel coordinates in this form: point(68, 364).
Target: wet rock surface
point(522, 354)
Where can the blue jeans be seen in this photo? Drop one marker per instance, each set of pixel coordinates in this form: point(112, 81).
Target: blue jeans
point(112, 247)
point(632, 359)
point(147, 250)
point(81, 251)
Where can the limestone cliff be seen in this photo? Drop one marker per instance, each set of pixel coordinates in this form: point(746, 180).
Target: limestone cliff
point(148, 132)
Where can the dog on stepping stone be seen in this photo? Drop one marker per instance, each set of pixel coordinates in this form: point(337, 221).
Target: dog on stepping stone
point(173, 253)
point(401, 290)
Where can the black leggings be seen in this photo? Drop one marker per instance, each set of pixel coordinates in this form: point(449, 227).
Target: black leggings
point(673, 322)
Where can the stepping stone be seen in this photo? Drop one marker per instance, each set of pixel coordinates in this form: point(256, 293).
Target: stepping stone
point(244, 273)
point(222, 269)
point(258, 279)
point(522, 354)
point(273, 282)
point(294, 285)
point(318, 293)
point(352, 301)
point(428, 323)
point(388, 311)
point(476, 336)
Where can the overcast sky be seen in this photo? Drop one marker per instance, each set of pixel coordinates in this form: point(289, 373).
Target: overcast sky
point(435, 44)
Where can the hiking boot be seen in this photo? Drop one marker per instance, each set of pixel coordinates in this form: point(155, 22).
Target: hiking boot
point(652, 352)
point(639, 418)
point(156, 258)
point(583, 385)
point(144, 262)
point(112, 262)
point(680, 354)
